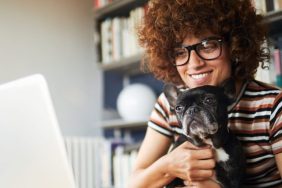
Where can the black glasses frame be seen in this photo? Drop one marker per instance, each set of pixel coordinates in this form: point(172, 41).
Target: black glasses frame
point(189, 48)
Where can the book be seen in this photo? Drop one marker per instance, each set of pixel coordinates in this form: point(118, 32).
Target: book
point(277, 61)
point(116, 39)
point(269, 5)
point(119, 36)
point(260, 6)
point(106, 163)
point(106, 41)
point(277, 5)
point(277, 64)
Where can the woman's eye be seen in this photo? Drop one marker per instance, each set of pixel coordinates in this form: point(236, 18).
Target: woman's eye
point(208, 47)
point(179, 108)
point(180, 53)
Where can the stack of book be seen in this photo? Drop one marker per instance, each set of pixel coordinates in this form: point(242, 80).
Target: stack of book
point(264, 6)
point(122, 165)
point(100, 162)
point(118, 36)
point(272, 74)
point(277, 65)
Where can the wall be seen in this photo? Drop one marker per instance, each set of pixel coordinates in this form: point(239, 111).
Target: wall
point(55, 38)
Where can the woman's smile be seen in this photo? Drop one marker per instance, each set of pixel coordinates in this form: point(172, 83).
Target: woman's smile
point(198, 76)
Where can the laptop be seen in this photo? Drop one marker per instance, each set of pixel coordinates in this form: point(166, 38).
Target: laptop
point(32, 151)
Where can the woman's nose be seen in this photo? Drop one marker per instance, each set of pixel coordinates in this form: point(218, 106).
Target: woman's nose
point(195, 61)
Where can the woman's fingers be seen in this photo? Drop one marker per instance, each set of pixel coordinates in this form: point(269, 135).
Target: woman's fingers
point(206, 153)
point(204, 164)
point(189, 162)
point(189, 145)
point(198, 175)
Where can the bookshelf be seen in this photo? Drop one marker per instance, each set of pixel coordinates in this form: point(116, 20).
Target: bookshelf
point(117, 8)
point(121, 124)
point(113, 20)
point(129, 65)
point(272, 11)
point(114, 15)
point(274, 20)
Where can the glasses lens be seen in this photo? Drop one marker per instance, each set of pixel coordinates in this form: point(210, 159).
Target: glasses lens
point(180, 56)
point(209, 49)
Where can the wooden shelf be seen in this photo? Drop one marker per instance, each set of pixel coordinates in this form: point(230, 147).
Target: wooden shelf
point(274, 21)
point(128, 65)
point(132, 147)
point(117, 8)
point(122, 124)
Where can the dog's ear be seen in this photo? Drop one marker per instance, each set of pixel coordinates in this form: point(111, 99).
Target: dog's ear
point(171, 93)
point(229, 88)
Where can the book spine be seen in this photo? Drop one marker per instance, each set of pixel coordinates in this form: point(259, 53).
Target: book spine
point(269, 5)
point(277, 5)
point(260, 6)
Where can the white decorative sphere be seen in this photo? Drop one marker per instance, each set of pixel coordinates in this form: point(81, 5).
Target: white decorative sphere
point(135, 102)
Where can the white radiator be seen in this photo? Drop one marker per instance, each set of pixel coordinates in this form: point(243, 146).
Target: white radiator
point(90, 159)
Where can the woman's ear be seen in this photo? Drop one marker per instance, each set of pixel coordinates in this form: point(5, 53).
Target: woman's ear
point(171, 92)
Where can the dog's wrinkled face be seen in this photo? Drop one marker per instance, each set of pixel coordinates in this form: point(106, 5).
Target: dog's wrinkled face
point(200, 111)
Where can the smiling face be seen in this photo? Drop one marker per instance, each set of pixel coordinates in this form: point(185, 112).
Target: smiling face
point(198, 72)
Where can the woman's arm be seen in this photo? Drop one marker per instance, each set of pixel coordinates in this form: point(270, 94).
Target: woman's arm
point(155, 168)
point(149, 169)
point(278, 158)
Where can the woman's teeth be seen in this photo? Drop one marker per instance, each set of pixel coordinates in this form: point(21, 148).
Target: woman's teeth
point(199, 76)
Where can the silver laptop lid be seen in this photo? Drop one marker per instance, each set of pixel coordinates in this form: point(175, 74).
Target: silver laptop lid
point(32, 152)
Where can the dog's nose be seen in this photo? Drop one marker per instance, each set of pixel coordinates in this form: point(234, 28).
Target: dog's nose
point(192, 110)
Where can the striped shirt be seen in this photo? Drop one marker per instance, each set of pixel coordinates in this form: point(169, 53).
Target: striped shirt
point(255, 118)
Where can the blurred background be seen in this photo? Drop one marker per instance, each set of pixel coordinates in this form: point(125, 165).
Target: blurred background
point(55, 38)
point(88, 52)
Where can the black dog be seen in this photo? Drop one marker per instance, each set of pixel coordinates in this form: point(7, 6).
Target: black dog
point(203, 118)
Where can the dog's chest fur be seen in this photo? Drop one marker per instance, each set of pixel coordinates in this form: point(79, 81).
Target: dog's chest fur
point(220, 153)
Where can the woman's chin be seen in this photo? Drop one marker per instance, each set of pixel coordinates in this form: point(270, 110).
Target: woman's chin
point(199, 82)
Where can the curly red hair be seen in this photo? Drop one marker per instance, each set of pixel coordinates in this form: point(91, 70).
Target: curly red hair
point(167, 23)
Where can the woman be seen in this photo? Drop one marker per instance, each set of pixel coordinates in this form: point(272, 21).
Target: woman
point(193, 43)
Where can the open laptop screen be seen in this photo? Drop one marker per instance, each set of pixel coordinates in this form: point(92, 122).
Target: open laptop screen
point(32, 152)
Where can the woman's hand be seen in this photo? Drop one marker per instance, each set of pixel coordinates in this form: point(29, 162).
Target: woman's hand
point(202, 184)
point(191, 163)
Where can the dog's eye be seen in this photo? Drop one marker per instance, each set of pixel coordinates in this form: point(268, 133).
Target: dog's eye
point(209, 100)
point(179, 108)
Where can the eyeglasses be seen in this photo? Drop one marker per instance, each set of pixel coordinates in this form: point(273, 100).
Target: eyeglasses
point(208, 49)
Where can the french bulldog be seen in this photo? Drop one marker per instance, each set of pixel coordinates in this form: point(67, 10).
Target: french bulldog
point(202, 114)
